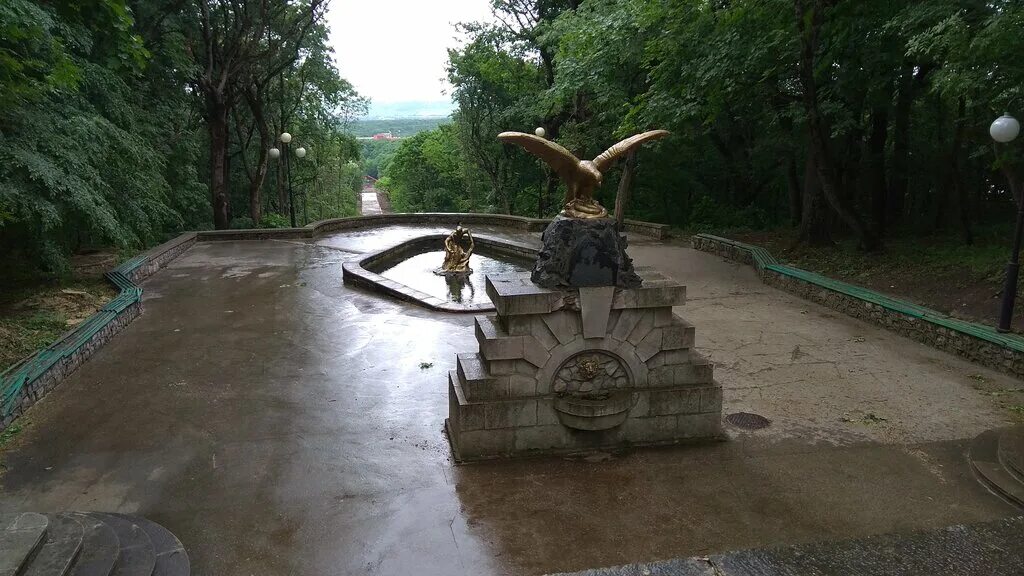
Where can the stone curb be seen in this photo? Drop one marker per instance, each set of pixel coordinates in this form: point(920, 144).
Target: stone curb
point(315, 229)
point(358, 273)
point(975, 342)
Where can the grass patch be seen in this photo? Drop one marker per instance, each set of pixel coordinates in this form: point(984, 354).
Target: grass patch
point(10, 433)
point(32, 317)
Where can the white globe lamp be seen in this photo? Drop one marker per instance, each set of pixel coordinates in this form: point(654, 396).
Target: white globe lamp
point(286, 137)
point(540, 131)
point(1004, 129)
point(275, 153)
point(300, 152)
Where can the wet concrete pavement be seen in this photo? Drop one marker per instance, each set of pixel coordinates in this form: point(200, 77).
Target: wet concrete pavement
point(279, 422)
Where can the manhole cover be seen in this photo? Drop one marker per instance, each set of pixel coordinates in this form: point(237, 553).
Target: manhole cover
point(748, 421)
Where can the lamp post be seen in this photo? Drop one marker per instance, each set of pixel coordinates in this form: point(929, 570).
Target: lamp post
point(1004, 130)
point(300, 152)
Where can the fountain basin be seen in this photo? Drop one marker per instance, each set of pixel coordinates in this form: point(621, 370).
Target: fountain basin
point(406, 271)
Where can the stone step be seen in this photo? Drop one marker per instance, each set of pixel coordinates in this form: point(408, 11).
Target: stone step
point(138, 557)
point(21, 536)
point(171, 558)
point(476, 381)
point(1011, 451)
point(496, 344)
point(100, 547)
point(88, 544)
point(60, 549)
point(479, 383)
point(471, 368)
point(984, 457)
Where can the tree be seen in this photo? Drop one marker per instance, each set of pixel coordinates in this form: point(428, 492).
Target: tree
point(234, 39)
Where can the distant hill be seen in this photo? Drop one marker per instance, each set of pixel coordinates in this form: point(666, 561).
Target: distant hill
point(400, 127)
point(409, 109)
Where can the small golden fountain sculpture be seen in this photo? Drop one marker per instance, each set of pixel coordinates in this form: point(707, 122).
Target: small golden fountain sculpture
point(458, 247)
point(581, 177)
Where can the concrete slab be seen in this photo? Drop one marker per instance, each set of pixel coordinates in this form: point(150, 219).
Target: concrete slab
point(279, 422)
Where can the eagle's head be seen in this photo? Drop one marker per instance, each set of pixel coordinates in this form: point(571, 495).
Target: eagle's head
point(587, 167)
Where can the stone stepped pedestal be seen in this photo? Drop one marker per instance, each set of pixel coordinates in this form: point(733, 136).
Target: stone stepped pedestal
point(577, 369)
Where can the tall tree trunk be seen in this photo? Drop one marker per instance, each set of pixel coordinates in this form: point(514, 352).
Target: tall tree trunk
point(795, 193)
point(625, 187)
point(259, 177)
point(282, 192)
point(255, 102)
point(814, 221)
point(876, 166)
point(810, 28)
point(217, 127)
point(897, 192)
point(550, 191)
point(961, 203)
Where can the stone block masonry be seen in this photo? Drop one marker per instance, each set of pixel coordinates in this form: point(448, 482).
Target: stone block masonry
point(570, 370)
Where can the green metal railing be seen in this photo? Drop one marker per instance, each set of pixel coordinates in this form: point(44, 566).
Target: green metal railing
point(763, 260)
point(16, 378)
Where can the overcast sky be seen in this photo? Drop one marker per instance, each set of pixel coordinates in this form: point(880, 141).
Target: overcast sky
point(396, 50)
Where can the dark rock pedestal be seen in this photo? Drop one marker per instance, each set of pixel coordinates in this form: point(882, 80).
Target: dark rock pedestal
point(583, 253)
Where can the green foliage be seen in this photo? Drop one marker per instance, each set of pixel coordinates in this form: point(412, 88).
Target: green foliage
point(377, 154)
point(273, 220)
point(707, 215)
point(902, 92)
point(103, 140)
point(399, 127)
point(242, 223)
point(85, 162)
point(425, 174)
point(10, 433)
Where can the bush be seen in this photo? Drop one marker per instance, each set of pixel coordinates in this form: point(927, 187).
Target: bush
point(708, 215)
point(241, 223)
point(274, 220)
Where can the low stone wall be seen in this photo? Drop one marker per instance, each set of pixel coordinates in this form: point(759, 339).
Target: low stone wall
point(443, 219)
point(975, 342)
point(162, 255)
point(26, 383)
point(656, 231)
point(35, 388)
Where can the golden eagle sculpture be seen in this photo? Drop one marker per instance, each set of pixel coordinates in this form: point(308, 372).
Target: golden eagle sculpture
point(581, 177)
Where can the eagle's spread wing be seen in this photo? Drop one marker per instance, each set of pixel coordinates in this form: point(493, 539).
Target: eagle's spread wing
point(555, 156)
point(605, 160)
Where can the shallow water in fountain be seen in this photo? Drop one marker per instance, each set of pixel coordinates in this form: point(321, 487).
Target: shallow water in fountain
point(418, 272)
